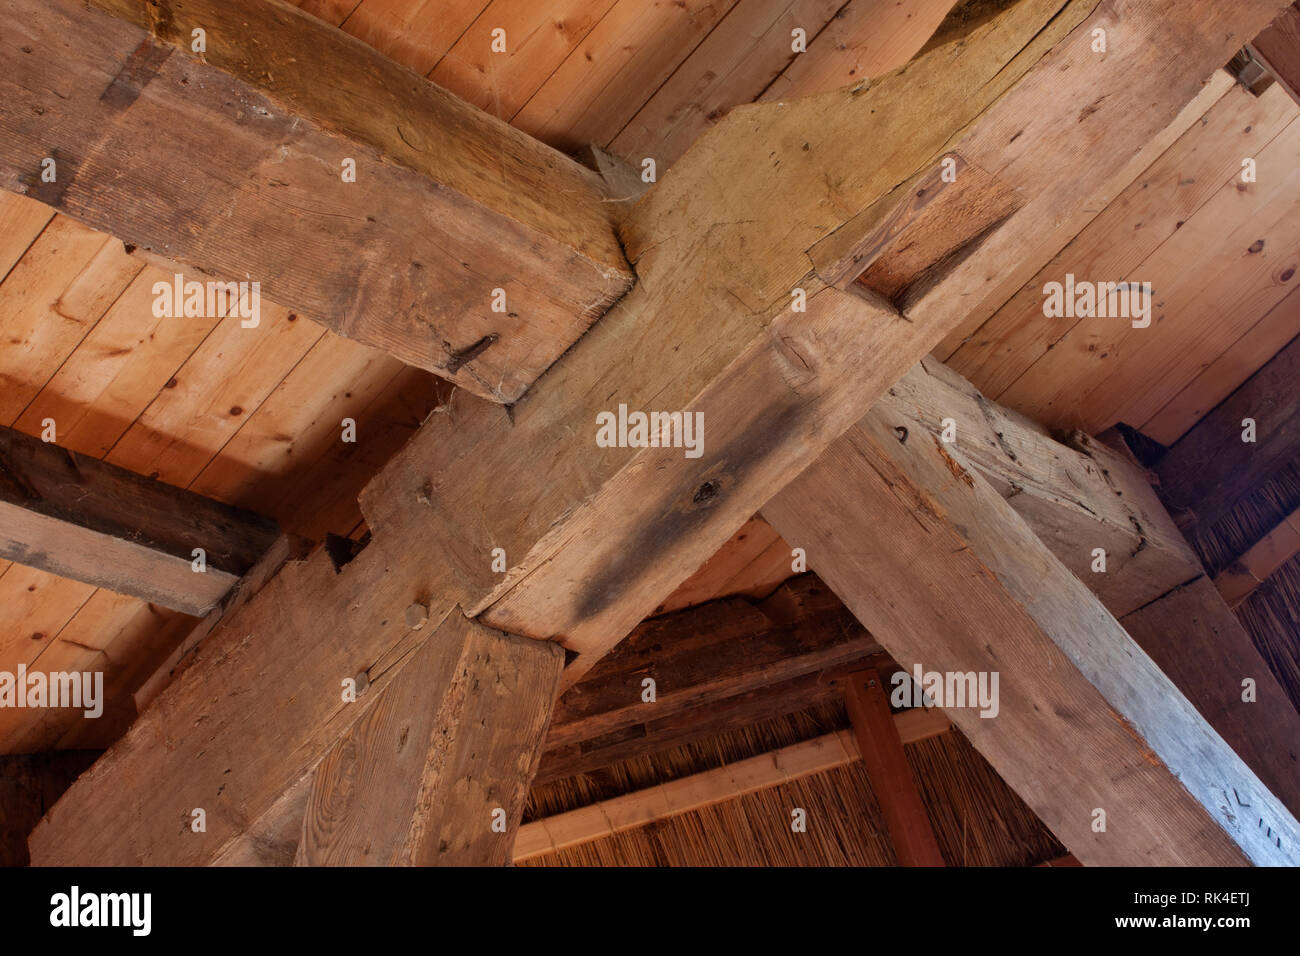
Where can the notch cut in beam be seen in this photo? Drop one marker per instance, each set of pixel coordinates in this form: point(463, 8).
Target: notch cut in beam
point(85, 519)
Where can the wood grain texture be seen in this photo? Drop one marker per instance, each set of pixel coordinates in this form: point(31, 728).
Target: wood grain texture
point(448, 203)
point(753, 562)
point(1151, 208)
point(941, 570)
point(85, 519)
point(1194, 637)
point(595, 540)
point(881, 749)
point(453, 739)
point(1076, 496)
point(273, 662)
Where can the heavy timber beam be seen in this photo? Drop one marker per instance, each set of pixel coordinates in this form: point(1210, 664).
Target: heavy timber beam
point(231, 164)
point(734, 226)
point(1085, 496)
point(594, 537)
point(438, 769)
point(86, 519)
point(1076, 497)
point(945, 575)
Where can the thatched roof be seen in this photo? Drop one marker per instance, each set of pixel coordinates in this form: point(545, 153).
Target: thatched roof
point(977, 819)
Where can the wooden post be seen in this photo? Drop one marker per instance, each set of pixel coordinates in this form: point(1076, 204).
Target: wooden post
point(891, 775)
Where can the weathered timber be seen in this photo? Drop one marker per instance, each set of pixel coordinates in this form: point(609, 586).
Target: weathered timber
point(231, 165)
point(595, 540)
point(1087, 495)
point(1194, 637)
point(437, 771)
point(946, 576)
point(85, 519)
point(1077, 496)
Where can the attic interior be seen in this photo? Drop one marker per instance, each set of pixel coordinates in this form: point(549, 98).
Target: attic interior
point(829, 229)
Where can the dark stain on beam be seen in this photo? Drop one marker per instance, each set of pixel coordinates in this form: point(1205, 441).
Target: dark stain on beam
point(690, 503)
point(138, 72)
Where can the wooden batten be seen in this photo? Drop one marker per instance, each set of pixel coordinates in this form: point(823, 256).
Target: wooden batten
point(881, 748)
point(642, 807)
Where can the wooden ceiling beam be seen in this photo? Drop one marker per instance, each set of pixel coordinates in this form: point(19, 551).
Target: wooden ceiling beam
point(593, 537)
point(1077, 497)
point(82, 518)
point(234, 165)
point(1087, 728)
point(1085, 496)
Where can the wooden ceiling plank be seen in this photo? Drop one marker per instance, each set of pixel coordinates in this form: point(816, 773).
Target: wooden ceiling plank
point(1227, 372)
point(447, 205)
point(734, 64)
point(1232, 261)
point(1153, 206)
point(82, 518)
point(943, 572)
point(866, 39)
point(50, 300)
